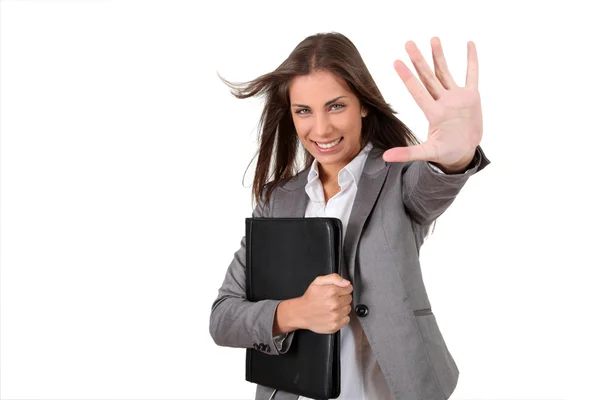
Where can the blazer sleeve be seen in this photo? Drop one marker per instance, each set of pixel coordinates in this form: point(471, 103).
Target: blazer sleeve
point(237, 322)
point(426, 194)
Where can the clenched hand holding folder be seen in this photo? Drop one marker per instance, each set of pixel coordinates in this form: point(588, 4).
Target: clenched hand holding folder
point(283, 257)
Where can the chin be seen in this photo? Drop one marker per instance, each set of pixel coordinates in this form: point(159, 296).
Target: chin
point(324, 159)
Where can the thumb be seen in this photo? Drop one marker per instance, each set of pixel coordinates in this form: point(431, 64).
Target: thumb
point(410, 153)
point(331, 279)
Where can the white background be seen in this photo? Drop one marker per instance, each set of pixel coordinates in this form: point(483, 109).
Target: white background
point(122, 201)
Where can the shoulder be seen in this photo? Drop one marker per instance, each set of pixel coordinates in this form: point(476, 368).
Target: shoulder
point(271, 192)
point(295, 182)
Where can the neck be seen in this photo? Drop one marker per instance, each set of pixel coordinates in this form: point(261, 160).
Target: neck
point(329, 173)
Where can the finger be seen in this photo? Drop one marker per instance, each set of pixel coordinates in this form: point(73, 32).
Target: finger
point(430, 81)
point(345, 300)
point(345, 321)
point(418, 92)
point(344, 284)
point(422, 151)
point(342, 309)
point(344, 291)
point(439, 62)
point(331, 279)
point(472, 80)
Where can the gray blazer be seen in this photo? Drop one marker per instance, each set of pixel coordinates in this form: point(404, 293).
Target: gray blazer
point(395, 205)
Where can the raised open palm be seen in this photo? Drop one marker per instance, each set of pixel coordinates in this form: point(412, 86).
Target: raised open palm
point(453, 112)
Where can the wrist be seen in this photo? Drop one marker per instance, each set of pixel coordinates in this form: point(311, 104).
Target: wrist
point(287, 318)
point(459, 167)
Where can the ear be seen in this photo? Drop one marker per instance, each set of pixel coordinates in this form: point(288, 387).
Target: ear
point(363, 112)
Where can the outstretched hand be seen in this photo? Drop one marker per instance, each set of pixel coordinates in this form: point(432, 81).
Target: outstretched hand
point(453, 112)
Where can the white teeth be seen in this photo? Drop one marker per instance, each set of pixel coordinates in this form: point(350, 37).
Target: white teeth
point(328, 145)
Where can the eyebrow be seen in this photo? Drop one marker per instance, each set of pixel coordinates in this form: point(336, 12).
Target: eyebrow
point(325, 105)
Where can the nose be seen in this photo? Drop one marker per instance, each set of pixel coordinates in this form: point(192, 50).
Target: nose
point(323, 126)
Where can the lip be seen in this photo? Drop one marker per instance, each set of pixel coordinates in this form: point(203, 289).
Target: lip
point(330, 150)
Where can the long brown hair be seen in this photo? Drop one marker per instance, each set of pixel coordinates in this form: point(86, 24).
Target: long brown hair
point(279, 144)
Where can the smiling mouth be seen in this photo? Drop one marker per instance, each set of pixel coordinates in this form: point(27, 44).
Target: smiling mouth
point(329, 145)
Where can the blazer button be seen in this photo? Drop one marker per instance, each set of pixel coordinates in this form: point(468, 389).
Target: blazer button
point(362, 310)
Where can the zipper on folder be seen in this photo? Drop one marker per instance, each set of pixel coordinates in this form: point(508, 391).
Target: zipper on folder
point(273, 394)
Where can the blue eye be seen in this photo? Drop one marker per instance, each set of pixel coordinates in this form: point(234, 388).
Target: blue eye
point(300, 111)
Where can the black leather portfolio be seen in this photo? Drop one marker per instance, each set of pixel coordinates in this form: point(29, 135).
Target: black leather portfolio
point(283, 257)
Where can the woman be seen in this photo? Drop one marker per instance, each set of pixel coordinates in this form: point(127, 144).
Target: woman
point(364, 166)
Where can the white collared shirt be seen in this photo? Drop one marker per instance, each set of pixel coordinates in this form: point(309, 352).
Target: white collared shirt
point(361, 375)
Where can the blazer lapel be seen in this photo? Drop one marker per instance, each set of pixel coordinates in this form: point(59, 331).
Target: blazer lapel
point(369, 187)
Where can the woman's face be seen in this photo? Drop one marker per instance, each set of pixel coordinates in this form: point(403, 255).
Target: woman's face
point(327, 117)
